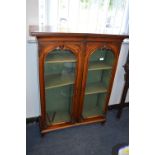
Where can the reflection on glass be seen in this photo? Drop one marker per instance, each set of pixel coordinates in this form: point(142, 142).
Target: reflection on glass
point(99, 74)
point(59, 82)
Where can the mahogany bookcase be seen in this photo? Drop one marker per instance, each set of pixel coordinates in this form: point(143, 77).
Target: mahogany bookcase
point(76, 73)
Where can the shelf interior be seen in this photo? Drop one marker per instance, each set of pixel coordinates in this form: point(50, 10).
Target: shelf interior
point(95, 88)
point(59, 74)
point(92, 112)
point(58, 117)
point(60, 58)
point(98, 66)
point(58, 80)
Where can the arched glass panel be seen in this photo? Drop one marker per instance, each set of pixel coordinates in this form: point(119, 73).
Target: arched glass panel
point(99, 74)
point(59, 73)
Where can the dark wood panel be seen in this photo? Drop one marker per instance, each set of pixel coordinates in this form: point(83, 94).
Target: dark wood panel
point(47, 31)
point(66, 125)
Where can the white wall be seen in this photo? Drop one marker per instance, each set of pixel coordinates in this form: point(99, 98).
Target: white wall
point(119, 77)
point(32, 89)
point(32, 82)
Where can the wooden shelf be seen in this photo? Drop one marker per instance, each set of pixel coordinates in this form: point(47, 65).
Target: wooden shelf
point(95, 88)
point(58, 80)
point(98, 66)
point(58, 117)
point(60, 58)
point(93, 112)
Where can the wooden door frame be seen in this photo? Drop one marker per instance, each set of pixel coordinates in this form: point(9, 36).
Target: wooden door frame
point(91, 47)
point(45, 48)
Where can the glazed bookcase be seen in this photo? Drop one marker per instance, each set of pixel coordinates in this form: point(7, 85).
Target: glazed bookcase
point(76, 73)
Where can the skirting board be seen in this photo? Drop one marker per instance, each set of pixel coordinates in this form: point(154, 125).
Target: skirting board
point(110, 107)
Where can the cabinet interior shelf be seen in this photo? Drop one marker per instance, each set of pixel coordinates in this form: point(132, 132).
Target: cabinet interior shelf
point(88, 113)
point(98, 66)
point(63, 57)
point(60, 58)
point(95, 88)
point(57, 117)
point(58, 80)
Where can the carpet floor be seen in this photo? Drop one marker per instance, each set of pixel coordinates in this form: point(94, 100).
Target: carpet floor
point(93, 139)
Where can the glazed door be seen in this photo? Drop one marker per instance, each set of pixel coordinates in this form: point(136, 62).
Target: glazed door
point(99, 67)
point(60, 76)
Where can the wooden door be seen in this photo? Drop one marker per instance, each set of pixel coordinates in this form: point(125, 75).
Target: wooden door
point(99, 69)
point(59, 83)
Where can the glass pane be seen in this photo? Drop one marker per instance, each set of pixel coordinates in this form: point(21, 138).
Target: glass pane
point(59, 83)
point(99, 75)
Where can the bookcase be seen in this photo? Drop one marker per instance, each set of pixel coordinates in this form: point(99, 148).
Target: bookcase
point(76, 73)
